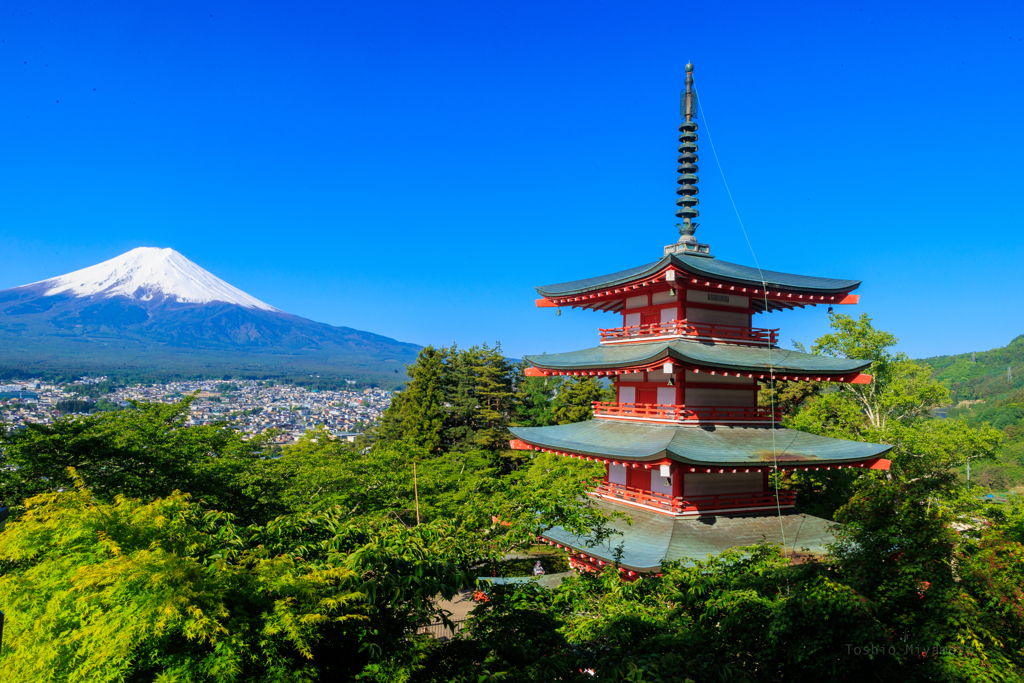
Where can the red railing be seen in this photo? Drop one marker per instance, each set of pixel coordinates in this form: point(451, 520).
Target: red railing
point(674, 413)
point(724, 501)
point(681, 328)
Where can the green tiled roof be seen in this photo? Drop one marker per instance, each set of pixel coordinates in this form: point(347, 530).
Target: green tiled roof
point(700, 445)
point(654, 538)
point(720, 271)
point(724, 356)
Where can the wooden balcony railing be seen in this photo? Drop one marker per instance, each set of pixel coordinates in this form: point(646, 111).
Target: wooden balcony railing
point(675, 413)
point(690, 504)
point(733, 334)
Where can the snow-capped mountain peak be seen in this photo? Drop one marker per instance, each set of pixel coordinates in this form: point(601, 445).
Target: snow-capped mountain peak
point(146, 273)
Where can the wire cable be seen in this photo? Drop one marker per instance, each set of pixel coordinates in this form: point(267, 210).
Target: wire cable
point(764, 285)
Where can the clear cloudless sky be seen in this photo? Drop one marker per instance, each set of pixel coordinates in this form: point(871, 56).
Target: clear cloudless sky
point(414, 169)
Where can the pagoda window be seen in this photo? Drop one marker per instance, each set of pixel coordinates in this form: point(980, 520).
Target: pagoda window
point(720, 397)
point(627, 394)
point(617, 474)
point(667, 396)
point(714, 317)
point(718, 484)
point(716, 299)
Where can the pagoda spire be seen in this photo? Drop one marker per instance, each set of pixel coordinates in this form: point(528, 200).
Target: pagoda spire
point(687, 180)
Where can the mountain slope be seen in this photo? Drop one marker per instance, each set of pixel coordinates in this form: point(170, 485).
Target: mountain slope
point(981, 375)
point(152, 311)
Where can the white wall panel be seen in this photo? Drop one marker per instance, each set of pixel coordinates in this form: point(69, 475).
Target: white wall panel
point(662, 297)
point(668, 314)
point(666, 395)
point(632, 319)
point(636, 301)
point(617, 474)
point(627, 394)
point(658, 484)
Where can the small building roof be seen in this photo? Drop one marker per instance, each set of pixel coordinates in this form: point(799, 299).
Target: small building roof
point(715, 356)
point(698, 444)
point(654, 538)
point(710, 268)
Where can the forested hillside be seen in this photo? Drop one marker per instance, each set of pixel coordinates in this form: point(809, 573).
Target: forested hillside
point(981, 374)
point(988, 387)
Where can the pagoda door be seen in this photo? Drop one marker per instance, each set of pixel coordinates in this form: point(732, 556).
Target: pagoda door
point(650, 319)
point(647, 397)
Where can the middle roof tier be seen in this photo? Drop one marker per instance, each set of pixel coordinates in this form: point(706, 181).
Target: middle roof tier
point(757, 362)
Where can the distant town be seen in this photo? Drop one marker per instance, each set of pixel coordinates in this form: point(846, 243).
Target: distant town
point(253, 407)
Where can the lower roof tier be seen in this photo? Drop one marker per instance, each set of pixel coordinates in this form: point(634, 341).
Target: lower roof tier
point(692, 354)
point(653, 538)
point(698, 445)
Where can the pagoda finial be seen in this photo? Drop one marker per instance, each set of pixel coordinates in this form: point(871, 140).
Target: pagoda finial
point(687, 180)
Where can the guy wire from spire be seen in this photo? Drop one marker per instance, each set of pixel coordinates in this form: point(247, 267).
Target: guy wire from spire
point(764, 287)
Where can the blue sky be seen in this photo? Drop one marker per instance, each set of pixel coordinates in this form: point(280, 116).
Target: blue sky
point(414, 169)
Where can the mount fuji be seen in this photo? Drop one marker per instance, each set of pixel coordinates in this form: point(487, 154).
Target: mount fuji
point(152, 312)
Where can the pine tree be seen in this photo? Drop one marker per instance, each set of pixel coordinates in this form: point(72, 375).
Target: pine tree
point(416, 415)
point(461, 404)
point(575, 400)
point(534, 398)
point(495, 394)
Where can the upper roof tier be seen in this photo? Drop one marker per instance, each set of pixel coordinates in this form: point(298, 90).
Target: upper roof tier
point(710, 269)
point(723, 358)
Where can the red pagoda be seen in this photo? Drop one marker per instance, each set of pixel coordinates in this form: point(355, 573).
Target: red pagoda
point(687, 450)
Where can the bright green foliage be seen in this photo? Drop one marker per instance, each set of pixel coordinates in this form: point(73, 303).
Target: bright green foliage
point(892, 409)
point(901, 390)
point(575, 400)
point(145, 451)
point(169, 591)
point(162, 591)
point(466, 489)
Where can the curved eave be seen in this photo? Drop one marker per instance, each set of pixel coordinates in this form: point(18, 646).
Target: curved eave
point(695, 355)
point(710, 270)
point(703, 446)
point(648, 539)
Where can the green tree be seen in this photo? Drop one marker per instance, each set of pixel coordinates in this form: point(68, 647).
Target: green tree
point(167, 590)
point(495, 394)
point(900, 391)
point(534, 398)
point(145, 451)
point(417, 415)
point(576, 397)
